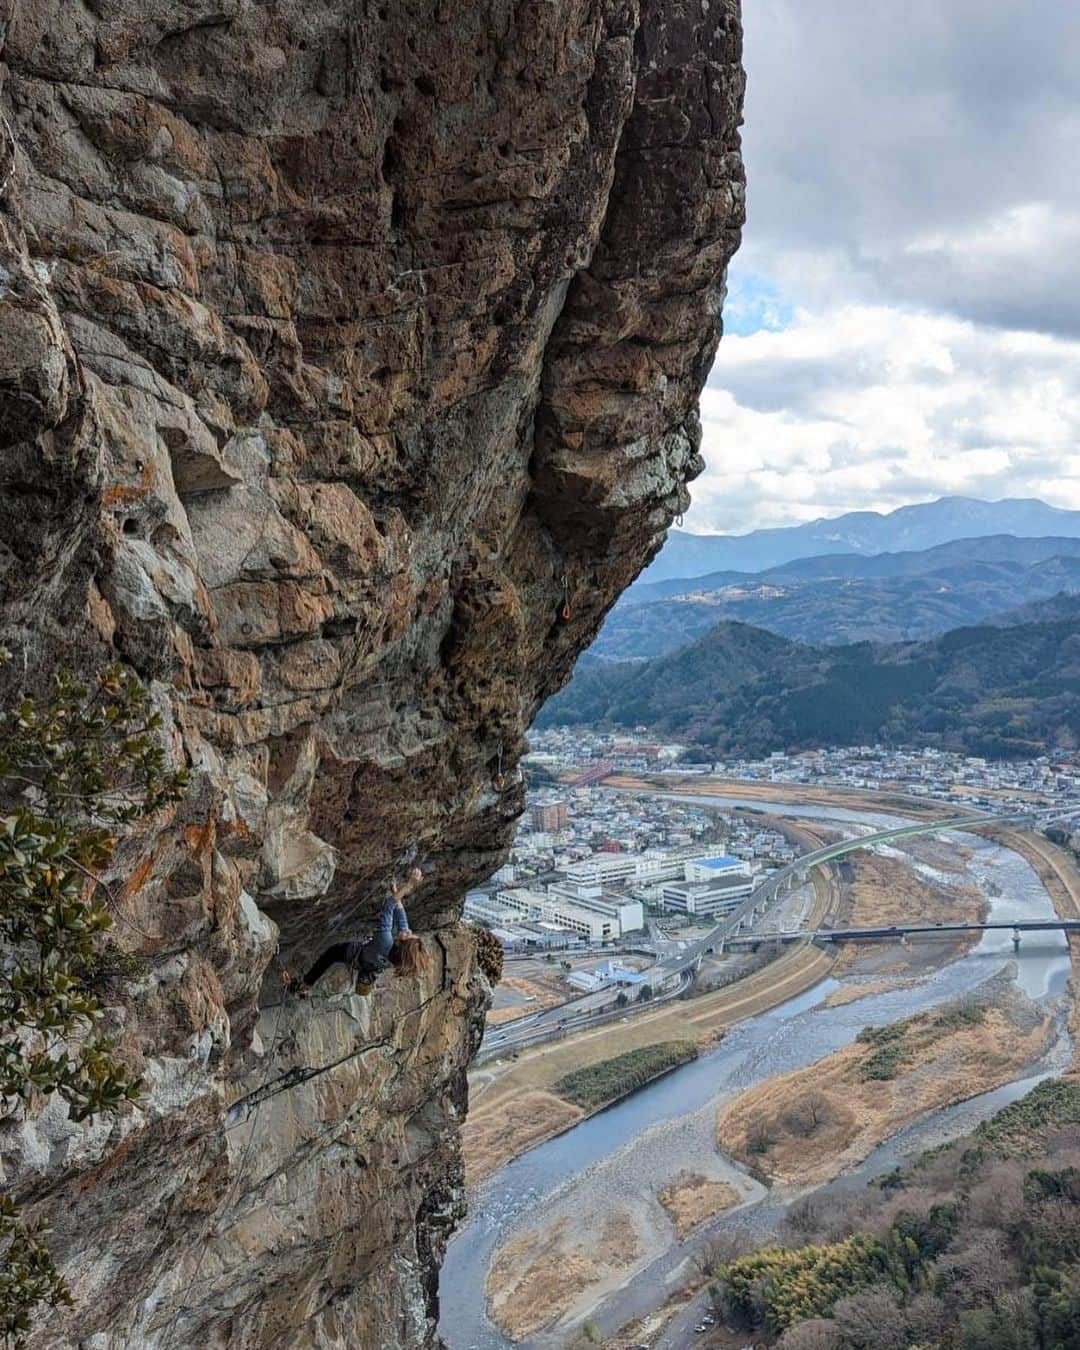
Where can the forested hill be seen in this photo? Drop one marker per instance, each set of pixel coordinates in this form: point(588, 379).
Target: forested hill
point(998, 691)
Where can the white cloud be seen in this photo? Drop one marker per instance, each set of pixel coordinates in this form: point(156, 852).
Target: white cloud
point(871, 407)
point(913, 229)
point(923, 152)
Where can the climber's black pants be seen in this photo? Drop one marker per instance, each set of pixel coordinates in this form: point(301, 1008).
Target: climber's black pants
point(342, 953)
point(365, 959)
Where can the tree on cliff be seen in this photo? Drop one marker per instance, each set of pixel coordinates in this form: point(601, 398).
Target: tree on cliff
point(76, 769)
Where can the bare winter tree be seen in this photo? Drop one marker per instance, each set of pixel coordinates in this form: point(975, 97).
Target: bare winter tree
point(974, 1276)
point(871, 1320)
point(817, 1334)
point(722, 1248)
point(807, 1114)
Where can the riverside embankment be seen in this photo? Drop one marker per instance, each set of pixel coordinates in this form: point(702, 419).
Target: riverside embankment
point(619, 1162)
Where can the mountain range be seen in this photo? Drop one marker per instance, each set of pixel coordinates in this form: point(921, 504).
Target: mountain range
point(1002, 691)
point(909, 528)
point(887, 597)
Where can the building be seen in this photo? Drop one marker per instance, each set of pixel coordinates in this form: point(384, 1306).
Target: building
point(548, 817)
point(707, 899)
point(611, 972)
point(609, 869)
point(711, 869)
point(525, 902)
point(584, 910)
point(546, 937)
point(482, 908)
point(602, 869)
point(589, 911)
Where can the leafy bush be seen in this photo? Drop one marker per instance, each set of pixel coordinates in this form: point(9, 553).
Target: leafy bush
point(888, 1054)
point(111, 964)
point(957, 1019)
point(778, 1286)
point(885, 1063)
point(1021, 1126)
point(894, 1031)
point(605, 1082)
point(75, 770)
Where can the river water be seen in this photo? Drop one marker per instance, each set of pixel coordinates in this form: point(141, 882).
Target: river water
point(788, 1037)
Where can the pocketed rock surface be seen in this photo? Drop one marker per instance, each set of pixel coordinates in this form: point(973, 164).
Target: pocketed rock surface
point(349, 366)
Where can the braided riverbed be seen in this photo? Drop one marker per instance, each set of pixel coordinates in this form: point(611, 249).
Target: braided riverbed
point(618, 1160)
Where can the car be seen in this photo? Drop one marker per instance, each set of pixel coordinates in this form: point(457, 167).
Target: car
point(709, 1320)
point(700, 1328)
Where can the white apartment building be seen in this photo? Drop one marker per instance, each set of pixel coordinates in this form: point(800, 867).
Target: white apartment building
point(708, 899)
point(715, 869)
point(584, 910)
point(606, 869)
point(529, 904)
point(488, 910)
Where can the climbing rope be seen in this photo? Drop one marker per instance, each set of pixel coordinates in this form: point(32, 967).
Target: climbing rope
point(9, 172)
point(210, 1228)
point(499, 779)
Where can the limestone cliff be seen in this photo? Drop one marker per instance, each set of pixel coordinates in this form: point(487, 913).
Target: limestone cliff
point(349, 360)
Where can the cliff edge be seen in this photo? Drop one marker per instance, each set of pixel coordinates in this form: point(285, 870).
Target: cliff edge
point(349, 363)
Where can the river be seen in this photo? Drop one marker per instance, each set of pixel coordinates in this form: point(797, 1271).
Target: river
point(620, 1142)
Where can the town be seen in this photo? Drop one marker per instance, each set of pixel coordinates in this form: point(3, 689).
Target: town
point(598, 870)
point(921, 773)
point(590, 865)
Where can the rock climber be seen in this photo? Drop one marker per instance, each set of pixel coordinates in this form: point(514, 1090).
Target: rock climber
point(394, 944)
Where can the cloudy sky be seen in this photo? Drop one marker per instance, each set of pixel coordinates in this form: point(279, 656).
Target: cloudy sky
point(903, 318)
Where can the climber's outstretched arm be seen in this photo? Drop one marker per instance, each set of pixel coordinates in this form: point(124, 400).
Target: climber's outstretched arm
point(406, 887)
point(398, 894)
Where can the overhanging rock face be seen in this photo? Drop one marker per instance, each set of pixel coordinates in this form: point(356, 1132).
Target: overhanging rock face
point(349, 362)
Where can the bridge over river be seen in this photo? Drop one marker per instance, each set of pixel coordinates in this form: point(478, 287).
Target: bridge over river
point(890, 932)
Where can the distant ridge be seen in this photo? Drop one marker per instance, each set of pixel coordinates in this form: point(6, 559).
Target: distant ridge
point(924, 525)
point(857, 566)
point(889, 597)
point(989, 690)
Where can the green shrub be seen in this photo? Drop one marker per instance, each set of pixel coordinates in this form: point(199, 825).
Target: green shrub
point(75, 769)
point(895, 1031)
point(957, 1019)
point(1022, 1127)
point(610, 1079)
point(883, 1064)
point(778, 1286)
point(110, 964)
